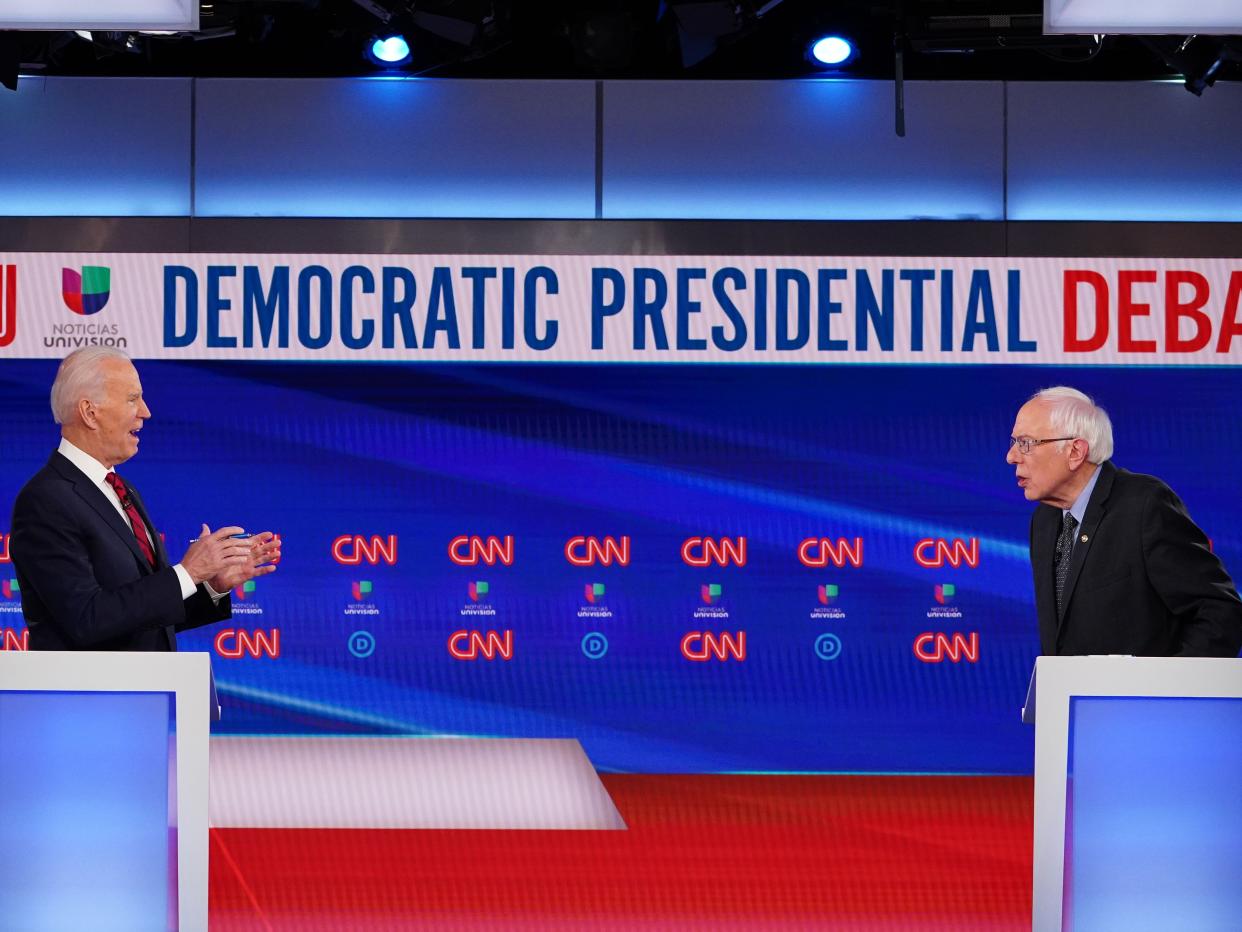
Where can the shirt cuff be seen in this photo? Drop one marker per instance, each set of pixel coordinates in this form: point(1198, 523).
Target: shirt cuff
point(187, 584)
point(215, 596)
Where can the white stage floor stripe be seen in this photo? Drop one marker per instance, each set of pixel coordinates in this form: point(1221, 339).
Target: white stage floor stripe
point(428, 783)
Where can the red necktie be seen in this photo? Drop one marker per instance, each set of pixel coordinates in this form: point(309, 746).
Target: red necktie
point(135, 519)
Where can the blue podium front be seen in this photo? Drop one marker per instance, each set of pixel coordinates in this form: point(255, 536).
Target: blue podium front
point(85, 822)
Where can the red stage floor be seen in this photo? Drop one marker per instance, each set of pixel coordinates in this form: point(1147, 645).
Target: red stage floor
point(705, 852)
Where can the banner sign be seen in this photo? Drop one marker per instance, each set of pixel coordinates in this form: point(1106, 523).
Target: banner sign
point(537, 308)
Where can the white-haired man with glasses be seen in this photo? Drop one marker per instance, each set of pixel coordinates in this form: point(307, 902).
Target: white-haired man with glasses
point(1119, 566)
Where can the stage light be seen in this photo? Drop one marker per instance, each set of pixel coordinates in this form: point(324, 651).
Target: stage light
point(832, 51)
point(390, 51)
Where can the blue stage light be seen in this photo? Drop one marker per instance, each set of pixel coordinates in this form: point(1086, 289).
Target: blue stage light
point(390, 50)
point(832, 51)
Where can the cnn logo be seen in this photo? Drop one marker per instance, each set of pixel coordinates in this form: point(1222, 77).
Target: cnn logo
point(935, 552)
point(936, 647)
point(352, 549)
point(820, 551)
point(704, 551)
point(702, 646)
point(235, 643)
point(592, 551)
point(471, 645)
point(470, 550)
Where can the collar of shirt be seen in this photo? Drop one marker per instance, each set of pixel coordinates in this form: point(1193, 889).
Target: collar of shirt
point(1079, 508)
point(95, 471)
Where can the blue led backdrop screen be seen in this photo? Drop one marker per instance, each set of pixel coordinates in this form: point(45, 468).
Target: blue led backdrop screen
point(689, 568)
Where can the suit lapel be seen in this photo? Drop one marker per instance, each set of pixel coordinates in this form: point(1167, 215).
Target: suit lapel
point(1091, 520)
point(94, 496)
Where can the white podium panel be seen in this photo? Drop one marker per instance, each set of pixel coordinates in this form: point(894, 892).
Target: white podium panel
point(104, 825)
point(1138, 794)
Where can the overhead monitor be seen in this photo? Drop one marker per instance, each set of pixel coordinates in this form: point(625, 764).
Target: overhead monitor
point(116, 15)
point(1158, 17)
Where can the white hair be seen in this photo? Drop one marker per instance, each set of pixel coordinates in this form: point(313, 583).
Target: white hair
point(80, 376)
point(1073, 414)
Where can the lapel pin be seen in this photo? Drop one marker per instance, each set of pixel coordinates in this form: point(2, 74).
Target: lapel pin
point(1083, 538)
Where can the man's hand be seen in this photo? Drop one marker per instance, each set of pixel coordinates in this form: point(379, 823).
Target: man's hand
point(214, 553)
point(261, 558)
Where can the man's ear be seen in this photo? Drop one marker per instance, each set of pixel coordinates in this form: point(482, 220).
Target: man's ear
point(86, 413)
point(1079, 450)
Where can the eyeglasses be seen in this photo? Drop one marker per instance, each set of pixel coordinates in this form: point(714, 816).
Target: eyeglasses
point(1027, 444)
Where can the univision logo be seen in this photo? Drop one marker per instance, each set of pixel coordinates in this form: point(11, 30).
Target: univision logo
point(86, 292)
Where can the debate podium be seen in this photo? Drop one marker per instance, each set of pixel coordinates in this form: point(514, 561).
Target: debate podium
point(103, 811)
point(1138, 794)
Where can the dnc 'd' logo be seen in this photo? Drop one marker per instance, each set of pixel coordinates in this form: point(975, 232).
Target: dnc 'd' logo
point(86, 292)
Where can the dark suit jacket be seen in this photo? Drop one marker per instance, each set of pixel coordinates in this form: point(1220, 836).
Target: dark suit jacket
point(1142, 579)
point(84, 581)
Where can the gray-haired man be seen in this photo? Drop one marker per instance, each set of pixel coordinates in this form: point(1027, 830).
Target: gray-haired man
point(1119, 566)
point(92, 567)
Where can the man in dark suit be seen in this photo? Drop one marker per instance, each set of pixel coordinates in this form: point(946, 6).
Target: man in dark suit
point(92, 568)
point(1119, 566)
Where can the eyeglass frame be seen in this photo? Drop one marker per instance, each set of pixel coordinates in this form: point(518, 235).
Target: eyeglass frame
point(1027, 445)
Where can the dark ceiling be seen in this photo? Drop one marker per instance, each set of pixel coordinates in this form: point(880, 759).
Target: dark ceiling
point(754, 39)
